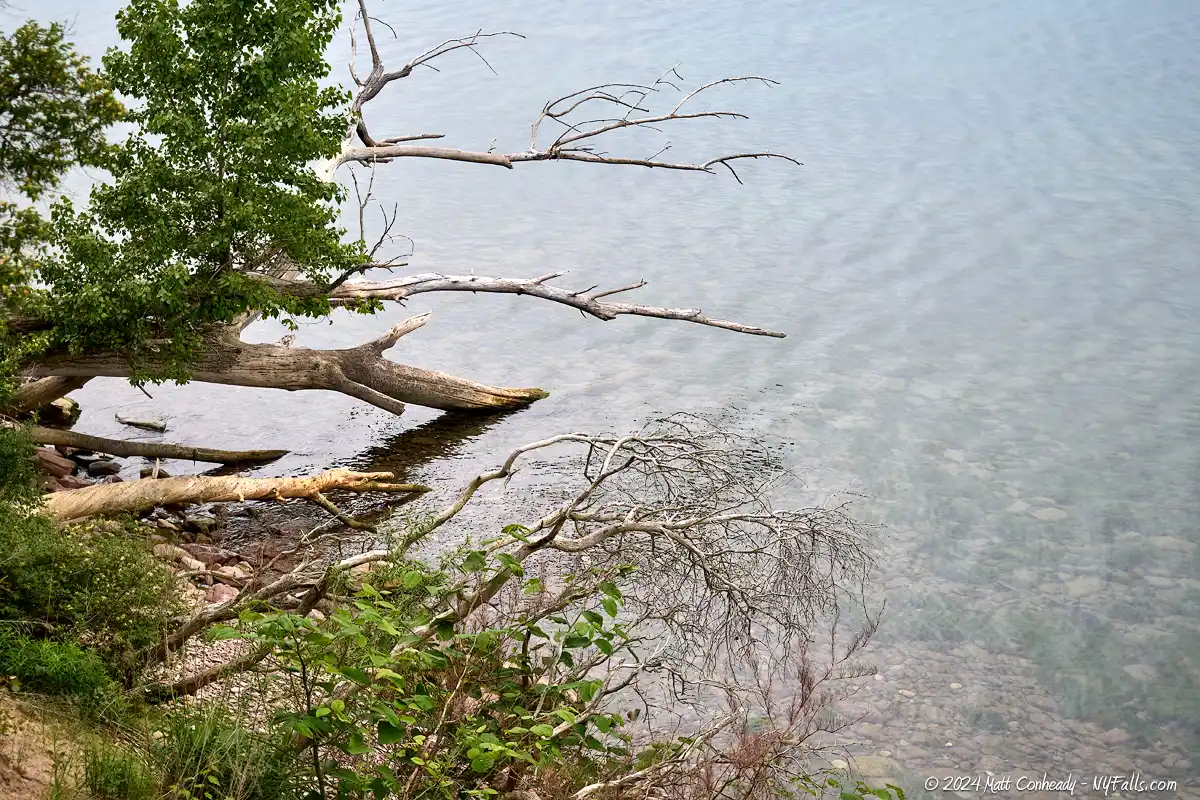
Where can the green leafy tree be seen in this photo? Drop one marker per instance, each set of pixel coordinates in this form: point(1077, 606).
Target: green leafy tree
point(213, 185)
point(221, 206)
point(54, 110)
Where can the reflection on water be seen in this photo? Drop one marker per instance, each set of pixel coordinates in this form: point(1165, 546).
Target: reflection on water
point(987, 270)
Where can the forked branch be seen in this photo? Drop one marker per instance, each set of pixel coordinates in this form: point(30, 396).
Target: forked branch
point(587, 301)
point(620, 106)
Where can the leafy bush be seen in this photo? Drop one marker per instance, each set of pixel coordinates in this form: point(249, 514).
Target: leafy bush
point(58, 668)
point(393, 697)
point(85, 584)
point(18, 479)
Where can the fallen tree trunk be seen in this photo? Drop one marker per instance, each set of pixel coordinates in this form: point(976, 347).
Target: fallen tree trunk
point(125, 448)
point(32, 395)
point(360, 372)
point(134, 496)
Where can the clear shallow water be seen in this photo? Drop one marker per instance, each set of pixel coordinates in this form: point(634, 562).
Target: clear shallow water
point(987, 272)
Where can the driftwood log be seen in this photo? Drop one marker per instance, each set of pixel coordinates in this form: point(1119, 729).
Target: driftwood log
point(125, 448)
point(143, 495)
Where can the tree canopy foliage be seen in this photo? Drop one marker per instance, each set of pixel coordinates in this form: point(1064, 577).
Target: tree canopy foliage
point(213, 185)
point(54, 111)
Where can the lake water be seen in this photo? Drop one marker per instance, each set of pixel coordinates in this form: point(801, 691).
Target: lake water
point(987, 271)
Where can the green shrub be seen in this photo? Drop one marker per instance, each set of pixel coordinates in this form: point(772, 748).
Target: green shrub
point(85, 584)
point(58, 668)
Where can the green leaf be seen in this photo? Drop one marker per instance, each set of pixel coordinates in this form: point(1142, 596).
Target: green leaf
point(357, 746)
point(475, 561)
point(511, 564)
point(389, 733)
point(610, 606)
point(593, 617)
point(412, 579)
point(219, 633)
point(609, 588)
point(518, 532)
point(542, 730)
point(576, 642)
point(604, 646)
point(355, 674)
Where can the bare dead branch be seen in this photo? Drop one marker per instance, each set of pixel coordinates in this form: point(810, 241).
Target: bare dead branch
point(587, 302)
point(567, 145)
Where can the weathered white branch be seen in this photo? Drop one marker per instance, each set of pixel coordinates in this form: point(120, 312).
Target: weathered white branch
point(383, 154)
point(565, 147)
point(587, 301)
point(136, 496)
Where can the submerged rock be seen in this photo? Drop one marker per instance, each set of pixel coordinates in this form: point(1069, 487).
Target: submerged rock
point(99, 469)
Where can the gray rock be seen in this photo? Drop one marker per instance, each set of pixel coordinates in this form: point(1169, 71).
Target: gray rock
point(1051, 514)
point(876, 766)
point(1088, 584)
point(199, 523)
point(1114, 736)
point(1171, 543)
point(98, 469)
point(1141, 672)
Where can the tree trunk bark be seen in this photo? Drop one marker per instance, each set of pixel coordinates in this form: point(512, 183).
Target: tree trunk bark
point(134, 496)
point(33, 395)
point(360, 372)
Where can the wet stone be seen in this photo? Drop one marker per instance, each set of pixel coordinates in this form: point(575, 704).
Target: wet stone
point(98, 469)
